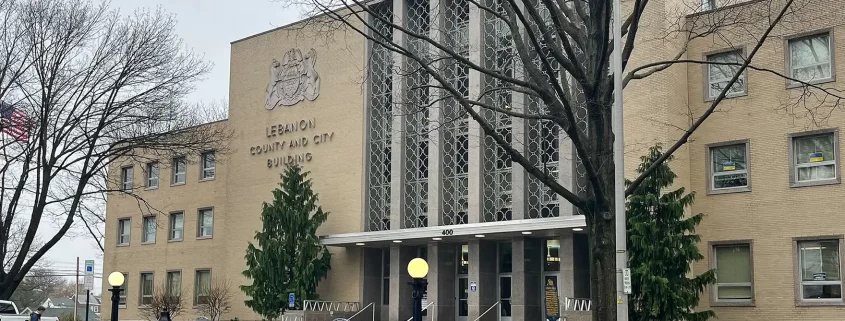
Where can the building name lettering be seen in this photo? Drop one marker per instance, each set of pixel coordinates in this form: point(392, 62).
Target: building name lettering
point(293, 143)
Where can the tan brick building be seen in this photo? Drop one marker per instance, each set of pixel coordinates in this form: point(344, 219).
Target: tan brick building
point(394, 196)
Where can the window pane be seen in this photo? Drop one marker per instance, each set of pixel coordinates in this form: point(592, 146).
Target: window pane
point(176, 226)
point(733, 264)
point(463, 267)
point(728, 158)
point(552, 255)
point(816, 172)
point(149, 229)
point(174, 283)
point(833, 291)
point(720, 75)
point(814, 148)
point(810, 57)
point(819, 260)
point(505, 258)
point(735, 292)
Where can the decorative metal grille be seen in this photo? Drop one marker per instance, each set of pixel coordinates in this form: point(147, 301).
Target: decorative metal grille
point(497, 166)
point(416, 119)
point(543, 141)
point(380, 124)
point(455, 129)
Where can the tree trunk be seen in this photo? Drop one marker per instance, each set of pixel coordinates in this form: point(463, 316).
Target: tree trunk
point(602, 266)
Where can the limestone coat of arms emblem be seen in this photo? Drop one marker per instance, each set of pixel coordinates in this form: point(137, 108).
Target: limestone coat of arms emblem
point(292, 80)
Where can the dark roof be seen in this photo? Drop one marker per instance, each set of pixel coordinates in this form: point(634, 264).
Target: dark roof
point(56, 312)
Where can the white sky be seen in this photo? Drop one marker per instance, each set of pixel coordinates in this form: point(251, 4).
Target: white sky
point(206, 26)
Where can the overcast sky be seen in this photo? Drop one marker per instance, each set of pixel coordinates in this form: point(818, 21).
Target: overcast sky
point(206, 26)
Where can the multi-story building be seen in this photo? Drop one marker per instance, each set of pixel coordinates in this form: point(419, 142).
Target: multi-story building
point(493, 236)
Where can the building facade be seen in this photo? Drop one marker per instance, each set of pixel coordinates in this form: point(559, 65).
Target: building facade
point(429, 184)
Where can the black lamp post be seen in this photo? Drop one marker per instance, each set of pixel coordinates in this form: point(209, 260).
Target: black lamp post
point(418, 269)
point(115, 280)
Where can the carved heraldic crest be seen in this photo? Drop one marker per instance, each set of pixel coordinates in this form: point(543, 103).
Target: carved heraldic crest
point(292, 80)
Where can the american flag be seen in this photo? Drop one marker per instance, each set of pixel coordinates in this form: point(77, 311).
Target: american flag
point(14, 122)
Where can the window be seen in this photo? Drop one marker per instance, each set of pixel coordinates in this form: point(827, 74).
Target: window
point(152, 175)
point(718, 75)
point(174, 283)
point(814, 158)
point(122, 302)
point(708, 5)
point(95, 308)
point(124, 226)
point(810, 58)
point(201, 286)
point(208, 164)
point(179, 165)
point(552, 256)
point(820, 270)
point(733, 273)
point(385, 277)
point(149, 235)
point(728, 167)
point(146, 297)
point(177, 224)
point(206, 223)
point(127, 175)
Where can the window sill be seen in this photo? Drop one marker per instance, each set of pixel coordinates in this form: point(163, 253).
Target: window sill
point(204, 237)
point(177, 184)
point(794, 85)
point(150, 188)
point(207, 179)
point(732, 304)
point(121, 307)
point(833, 181)
point(744, 94)
point(174, 240)
point(732, 190)
point(819, 304)
point(123, 245)
point(148, 243)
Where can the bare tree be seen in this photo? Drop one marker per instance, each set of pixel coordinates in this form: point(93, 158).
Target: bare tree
point(88, 88)
point(546, 65)
point(164, 298)
point(219, 299)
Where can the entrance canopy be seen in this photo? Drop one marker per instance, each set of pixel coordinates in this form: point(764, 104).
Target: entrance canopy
point(553, 226)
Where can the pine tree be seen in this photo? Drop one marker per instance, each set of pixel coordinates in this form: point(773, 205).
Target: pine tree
point(662, 246)
point(289, 257)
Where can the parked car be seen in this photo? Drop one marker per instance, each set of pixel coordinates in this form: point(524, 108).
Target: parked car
point(9, 312)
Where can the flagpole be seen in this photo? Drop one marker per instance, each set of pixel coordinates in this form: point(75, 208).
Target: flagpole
point(619, 165)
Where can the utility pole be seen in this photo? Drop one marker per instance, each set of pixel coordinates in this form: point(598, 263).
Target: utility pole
point(623, 278)
point(76, 296)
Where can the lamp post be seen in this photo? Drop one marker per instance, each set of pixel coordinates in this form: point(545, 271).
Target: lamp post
point(115, 280)
point(418, 269)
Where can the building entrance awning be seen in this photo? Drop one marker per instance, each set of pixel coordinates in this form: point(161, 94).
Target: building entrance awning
point(461, 233)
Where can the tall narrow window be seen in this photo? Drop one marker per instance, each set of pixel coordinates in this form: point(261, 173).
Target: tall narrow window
point(821, 270)
point(122, 300)
point(179, 168)
point(177, 226)
point(124, 227)
point(174, 283)
point(206, 223)
point(146, 297)
point(149, 235)
point(152, 175)
point(127, 177)
point(733, 273)
point(385, 277)
point(810, 58)
point(209, 162)
point(202, 284)
point(721, 71)
point(814, 157)
point(552, 256)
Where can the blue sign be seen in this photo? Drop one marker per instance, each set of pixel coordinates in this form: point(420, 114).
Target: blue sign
point(89, 269)
point(291, 300)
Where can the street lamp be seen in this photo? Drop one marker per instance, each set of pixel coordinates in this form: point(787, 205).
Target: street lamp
point(418, 269)
point(115, 280)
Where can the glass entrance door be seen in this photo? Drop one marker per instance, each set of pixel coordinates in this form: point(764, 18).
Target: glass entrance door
point(505, 270)
point(462, 284)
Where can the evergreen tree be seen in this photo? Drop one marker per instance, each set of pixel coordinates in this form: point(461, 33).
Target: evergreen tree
point(662, 246)
point(289, 257)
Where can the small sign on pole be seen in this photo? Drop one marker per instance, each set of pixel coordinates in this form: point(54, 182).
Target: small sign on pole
point(291, 300)
point(89, 275)
point(473, 287)
point(626, 281)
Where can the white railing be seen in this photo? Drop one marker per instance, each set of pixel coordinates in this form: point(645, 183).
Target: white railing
point(488, 310)
point(371, 305)
point(331, 306)
point(573, 304)
point(292, 317)
point(424, 309)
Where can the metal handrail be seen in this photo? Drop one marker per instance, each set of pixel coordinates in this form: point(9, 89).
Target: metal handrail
point(577, 304)
point(488, 310)
point(362, 310)
point(423, 309)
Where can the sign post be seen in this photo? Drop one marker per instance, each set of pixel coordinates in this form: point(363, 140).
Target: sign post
point(89, 285)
